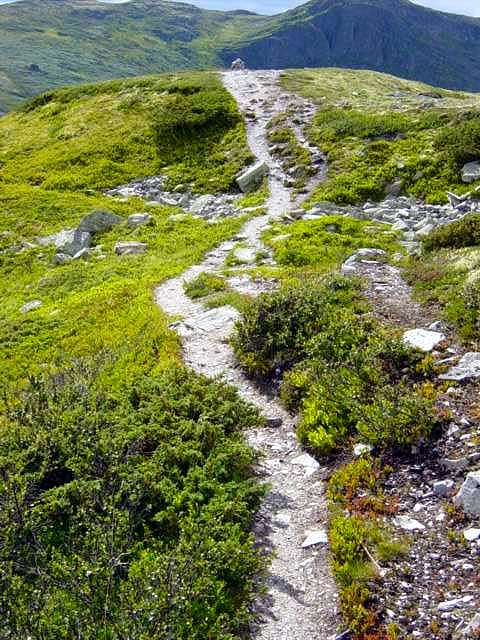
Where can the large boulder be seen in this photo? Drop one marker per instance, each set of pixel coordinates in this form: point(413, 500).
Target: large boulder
point(468, 498)
point(99, 221)
point(252, 177)
point(471, 172)
point(80, 240)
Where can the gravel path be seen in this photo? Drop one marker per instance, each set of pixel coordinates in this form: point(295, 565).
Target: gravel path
point(300, 602)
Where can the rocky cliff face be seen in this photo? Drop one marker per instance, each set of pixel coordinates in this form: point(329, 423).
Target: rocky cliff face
point(386, 35)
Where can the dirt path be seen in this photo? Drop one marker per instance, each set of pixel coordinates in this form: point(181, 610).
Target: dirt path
point(301, 599)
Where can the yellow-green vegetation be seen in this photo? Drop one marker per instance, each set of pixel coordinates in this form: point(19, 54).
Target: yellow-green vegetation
point(291, 154)
point(126, 489)
point(56, 154)
point(95, 136)
point(378, 130)
point(323, 244)
point(448, 274)
point(255, 198)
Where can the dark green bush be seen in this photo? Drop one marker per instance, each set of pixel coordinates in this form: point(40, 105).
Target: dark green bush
point(275, 329)
point(126, 515)
point(460, 142)
point(461, 233)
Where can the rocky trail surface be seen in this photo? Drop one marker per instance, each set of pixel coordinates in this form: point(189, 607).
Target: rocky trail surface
point(300, 599)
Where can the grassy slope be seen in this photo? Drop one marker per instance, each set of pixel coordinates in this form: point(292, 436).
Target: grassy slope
point(85, 41)
point(376, 129)
point(51, 43)
point(125, 482)
point(55, 159)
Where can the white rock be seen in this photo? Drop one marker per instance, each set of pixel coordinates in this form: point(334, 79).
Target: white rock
point(252, 177)
point(31, 306)
point(361, 448)
point(468, 498)
point(408, 524)
point(315, 537)
point(138, 219)
point(130, 248)
point(245, 255)
point(471, 172)
point(471, 534)
point(423, 339)
point(308, 463)
point(443, 487)
point(467, 369)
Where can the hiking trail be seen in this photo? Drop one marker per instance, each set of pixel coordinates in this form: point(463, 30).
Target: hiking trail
point(300, 602)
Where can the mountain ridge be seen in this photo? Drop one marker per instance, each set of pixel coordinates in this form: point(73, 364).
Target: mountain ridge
point(45, 44)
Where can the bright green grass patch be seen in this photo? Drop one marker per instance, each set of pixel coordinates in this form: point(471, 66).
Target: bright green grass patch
point(204, 285)
point(377, 129)
point(97, 136)
point(98, 304)
point(327, 242)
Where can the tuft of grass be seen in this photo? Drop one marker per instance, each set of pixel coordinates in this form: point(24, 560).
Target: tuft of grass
point(204, 285)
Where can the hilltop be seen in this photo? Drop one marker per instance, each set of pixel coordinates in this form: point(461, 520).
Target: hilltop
point(50, 43)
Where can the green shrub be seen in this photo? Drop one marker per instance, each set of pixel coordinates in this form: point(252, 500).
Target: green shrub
point(461, 233)
point(275, 329)
point(127, 514)
point(397, 418)
point(460, 142)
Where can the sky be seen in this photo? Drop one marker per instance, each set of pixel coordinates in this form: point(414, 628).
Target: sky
point(467, 7)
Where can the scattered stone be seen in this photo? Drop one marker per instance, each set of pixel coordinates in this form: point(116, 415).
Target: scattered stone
point(423, 339)
point(130, 248)
point(471, 172)
point(250, 179)
point(471, 534)
point(306, 461)
point(443, 488)
point(61, 258)
point(273, 422)
point(408, 524)
point(468, 498)
point(31, 306)
point(99, 221)
point(467, 369)
point(83, 254)
point(315, 537)
point(450, 605)
point(473, 628)
point(138, 219)
point(361, 448)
